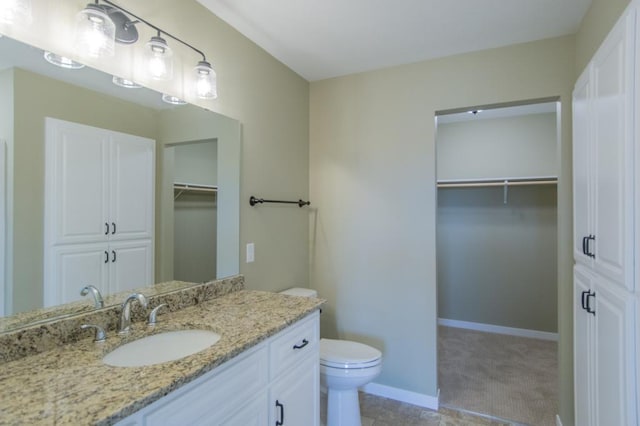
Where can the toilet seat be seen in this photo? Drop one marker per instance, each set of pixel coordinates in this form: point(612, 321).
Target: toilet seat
point(345, 354)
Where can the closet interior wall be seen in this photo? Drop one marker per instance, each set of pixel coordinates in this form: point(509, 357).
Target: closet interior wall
point(497, 250)
point(195, 212)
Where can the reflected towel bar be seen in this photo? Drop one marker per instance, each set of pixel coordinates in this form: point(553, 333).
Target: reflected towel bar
point(253, 201)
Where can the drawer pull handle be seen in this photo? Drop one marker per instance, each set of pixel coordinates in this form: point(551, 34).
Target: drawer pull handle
point(304, 343)
point(281, 408)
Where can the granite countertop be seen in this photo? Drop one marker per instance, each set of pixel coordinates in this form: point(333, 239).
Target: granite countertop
point(70, 385)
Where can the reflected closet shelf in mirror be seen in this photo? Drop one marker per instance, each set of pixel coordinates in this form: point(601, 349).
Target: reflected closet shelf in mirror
point(179, 188)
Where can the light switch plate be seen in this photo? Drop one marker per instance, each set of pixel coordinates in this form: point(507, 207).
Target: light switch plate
point(250, 252)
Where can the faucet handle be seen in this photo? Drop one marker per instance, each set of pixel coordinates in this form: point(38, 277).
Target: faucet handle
point(153, 315)
point(100, 336)
point(97, 297)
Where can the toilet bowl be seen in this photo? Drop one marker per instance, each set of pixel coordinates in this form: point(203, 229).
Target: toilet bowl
point(344, 367)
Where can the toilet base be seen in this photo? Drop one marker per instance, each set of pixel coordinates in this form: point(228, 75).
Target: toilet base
point(343, 407)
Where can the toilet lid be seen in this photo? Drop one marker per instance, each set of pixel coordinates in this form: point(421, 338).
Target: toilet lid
point(347, 354)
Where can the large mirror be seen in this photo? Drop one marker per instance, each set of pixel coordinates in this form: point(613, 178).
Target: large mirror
point(197, 167)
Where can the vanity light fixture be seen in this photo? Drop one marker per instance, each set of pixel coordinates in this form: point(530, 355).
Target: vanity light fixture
point(95, 33)
point(474, 111)
point(206, 84)
point(173, 100)
point(123, 82)
point(62, 61)
point(159, 58)
point(16, 12)
point(99, 26)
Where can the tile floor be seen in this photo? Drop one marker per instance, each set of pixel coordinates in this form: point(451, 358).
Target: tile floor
point(378, 411)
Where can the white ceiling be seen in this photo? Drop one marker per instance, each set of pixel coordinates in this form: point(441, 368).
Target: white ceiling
point(320, 39)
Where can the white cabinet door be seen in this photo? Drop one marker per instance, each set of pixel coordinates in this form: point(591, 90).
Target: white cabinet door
point(72, 268)
point(615, 360)
point(295, 397)
point(612, 163)
point(583, 348)
point(132, 180)
point(76, 195)
point(582, 176)
point(253, 413)
point(130, 265)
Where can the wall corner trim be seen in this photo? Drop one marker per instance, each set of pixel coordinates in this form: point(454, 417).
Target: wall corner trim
point(414, 398)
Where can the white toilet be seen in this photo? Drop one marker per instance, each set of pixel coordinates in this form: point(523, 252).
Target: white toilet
point(344, 367)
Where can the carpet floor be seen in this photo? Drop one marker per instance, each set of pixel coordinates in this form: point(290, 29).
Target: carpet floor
point(508, 377)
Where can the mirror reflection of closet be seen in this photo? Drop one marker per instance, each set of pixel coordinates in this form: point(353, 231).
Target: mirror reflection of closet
point(195, 210)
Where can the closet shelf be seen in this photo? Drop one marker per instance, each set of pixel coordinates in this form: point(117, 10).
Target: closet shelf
point(193, 187)
point(521, 181)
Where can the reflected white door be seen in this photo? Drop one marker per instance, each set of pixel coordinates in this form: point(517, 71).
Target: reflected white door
point(3, 228)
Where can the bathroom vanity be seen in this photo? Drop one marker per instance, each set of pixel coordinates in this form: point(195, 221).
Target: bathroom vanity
point(265, 366)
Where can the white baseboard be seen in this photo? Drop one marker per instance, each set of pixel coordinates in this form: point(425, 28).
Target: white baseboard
point(558, 421)
point(490, 328)
point(414, 398)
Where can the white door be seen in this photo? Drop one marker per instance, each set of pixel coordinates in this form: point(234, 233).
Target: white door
point(295, 398)
point(76, 191)
point(132, 182)
point(613, 154)
point(74, 267)
point(130, 265)
point(615, 360)
point(582, 173)
point(583, 348)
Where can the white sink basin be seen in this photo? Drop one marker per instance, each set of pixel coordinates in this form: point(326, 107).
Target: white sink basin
point(162, 347)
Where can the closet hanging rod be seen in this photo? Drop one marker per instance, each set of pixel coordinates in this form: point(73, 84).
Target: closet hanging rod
point(254, 200)
point(496, 182)
point(192, 187)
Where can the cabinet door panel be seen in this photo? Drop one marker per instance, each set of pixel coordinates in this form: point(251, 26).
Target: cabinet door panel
point(132, 186)
point(582, 175)
point(614, 387)
point(298, 396)
point(130, 265)
point(254, 413)
point(613, 155)
point(72, 268)
point(76, 174)
point(582, 348)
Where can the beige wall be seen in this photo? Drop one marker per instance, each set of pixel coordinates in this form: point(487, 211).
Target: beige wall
point(503, 147)
point(507, 250)
point(270, 100)
point(372, 179)
point(497, 263)
point(595, 26)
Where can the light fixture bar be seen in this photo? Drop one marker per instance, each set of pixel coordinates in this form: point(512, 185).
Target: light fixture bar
point(110, 3)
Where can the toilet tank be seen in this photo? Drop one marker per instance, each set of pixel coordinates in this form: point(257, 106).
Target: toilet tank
point(298, 291)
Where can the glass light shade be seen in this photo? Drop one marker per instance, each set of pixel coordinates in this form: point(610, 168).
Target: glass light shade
point(16, 12)
point(206, 81)
point(95, 32)
point(172, 100)
point(159, 59)
point(62, 61)
point(123, 82)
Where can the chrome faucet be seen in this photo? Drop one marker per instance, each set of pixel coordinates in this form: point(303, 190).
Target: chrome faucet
point(97, 297)
point(125, 315)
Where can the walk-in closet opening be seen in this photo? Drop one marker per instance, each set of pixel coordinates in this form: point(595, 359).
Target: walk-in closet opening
point(195, 191)
point(496, 247)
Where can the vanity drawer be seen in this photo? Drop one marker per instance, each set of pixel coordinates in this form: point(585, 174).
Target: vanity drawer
point(294, 345)
point(215, 395)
